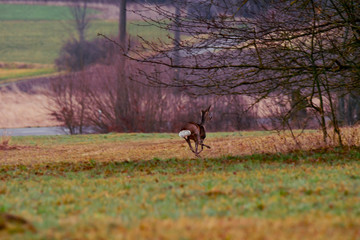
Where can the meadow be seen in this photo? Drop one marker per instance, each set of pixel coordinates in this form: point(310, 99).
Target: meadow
point(249, 185)
point(15, 71)
point(39, 31)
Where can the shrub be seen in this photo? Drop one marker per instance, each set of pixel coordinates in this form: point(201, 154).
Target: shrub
point(75, 55)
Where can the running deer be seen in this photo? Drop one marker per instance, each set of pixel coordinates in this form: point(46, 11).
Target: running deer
point(196, 132)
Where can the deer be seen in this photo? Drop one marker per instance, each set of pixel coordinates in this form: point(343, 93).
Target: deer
point(196, 132)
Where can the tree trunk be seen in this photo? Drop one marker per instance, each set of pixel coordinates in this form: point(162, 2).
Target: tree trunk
point(121, 72)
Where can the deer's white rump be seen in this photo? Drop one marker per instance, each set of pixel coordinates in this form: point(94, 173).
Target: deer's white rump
point(184, 133)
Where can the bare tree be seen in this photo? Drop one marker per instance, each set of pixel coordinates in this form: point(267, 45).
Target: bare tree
point(79, 10)
point(305, 49)
point(89, 98)
point(69, 103)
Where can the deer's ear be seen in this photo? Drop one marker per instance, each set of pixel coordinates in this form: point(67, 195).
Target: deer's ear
point(208, 108)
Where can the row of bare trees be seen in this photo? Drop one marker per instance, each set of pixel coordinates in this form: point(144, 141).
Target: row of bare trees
point(301, 55)
point(89, 98)
point(295, 62)
point(112, 95)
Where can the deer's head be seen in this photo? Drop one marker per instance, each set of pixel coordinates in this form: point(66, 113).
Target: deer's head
point(206, 115)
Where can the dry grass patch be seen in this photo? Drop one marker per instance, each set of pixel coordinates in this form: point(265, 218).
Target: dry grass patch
point(130, 147)
point(18, 109)
point(5, 143)
point(321, 227)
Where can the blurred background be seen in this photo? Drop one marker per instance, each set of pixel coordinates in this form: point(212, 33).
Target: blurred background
point(62, 64)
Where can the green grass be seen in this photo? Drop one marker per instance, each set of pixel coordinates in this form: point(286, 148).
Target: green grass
point(41, 41)
point(193, 188)
point(171, 189)
point(38, 32)
point(94, 139)
point(33, 12)
point(16, 74)
point(66, 198)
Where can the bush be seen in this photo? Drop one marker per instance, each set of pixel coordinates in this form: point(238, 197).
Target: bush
point(75, 55)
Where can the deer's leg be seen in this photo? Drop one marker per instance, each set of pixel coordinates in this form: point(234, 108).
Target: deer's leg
point(202, 148)
point(205, 145)
point(197, 146)
point(191, 148)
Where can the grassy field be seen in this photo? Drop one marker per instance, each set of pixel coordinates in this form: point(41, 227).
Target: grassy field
point(13, 74)
point(150, 186)
point(40, 41)
point(33, 12)
point(38, 32)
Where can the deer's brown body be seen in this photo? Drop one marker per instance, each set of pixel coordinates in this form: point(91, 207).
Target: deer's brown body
point(196, 132)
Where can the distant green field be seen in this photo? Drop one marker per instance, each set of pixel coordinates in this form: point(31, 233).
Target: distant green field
point(21, 73)
point(36, 33)
point(41, 41)
point(33, 12)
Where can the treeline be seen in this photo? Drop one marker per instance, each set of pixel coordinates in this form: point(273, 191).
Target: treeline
point(299, 57)
point(97, 94)
point(298, 62)
point(90, 95)
point(89, 98)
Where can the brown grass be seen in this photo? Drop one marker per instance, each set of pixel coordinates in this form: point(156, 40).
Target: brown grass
point(175, 147)
point(308, 227)
point(18, 109)
point(4, 143)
